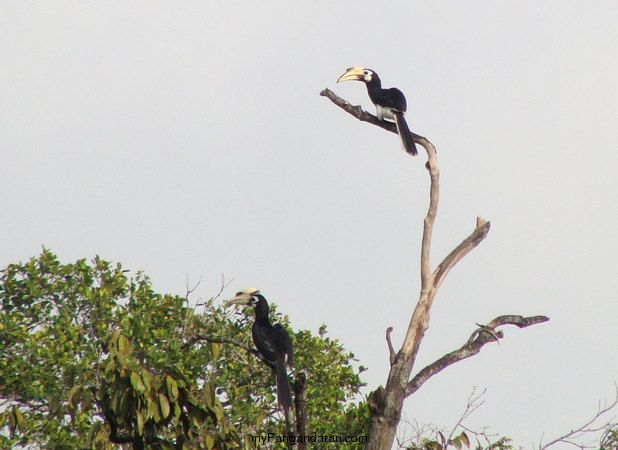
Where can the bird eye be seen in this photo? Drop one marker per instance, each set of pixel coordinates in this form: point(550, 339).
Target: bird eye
point(366, 72)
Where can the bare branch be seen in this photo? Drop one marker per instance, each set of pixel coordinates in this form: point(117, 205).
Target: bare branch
point(585, 428)
point(434, 195)
point(475, 238)
point(364, 116)
point(474, 403)
point(517, 320)
point(420, 435)
point(223, 286)
point(420, 317)
point(477, 340)
point(221, 289)
point(496, 335)
point(191, 290)
point(358, 112)
point(391, 350)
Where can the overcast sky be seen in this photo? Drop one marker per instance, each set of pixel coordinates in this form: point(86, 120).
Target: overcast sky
point(189, 139)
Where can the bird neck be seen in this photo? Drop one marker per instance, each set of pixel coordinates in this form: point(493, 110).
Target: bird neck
point(373, 87)
point(375, 82)
point(261, 311)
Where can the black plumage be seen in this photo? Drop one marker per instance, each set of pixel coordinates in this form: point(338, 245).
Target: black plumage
point(272, 341)
point(390, 103)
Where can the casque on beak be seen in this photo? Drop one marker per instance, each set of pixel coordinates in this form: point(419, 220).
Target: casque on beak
point(243, 297)
point(353, 73)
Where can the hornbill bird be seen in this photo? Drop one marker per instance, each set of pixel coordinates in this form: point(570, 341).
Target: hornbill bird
point(390, 103)
point(273, 343)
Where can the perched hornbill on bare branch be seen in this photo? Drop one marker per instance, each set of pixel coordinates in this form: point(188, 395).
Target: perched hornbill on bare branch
point(390, 103)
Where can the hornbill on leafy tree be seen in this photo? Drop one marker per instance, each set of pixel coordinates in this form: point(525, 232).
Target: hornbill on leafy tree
point(273, 343)
point(390, 103)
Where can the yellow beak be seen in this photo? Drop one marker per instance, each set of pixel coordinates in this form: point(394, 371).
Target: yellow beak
point(242, 298)
point(353, 73)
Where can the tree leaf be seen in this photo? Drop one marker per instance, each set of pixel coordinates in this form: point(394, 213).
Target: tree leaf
point(215, 349)
point(54, 403)
point(172, 388)
point(124, 347)
point(140, 423)
point(20, 422)
point(464, 438)
point(456, 443)
point(165, 406)
point(73, 395)
point(12, 421)
point(136, 382)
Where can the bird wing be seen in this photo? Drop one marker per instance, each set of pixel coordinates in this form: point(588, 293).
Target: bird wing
point(275, 345)
point(391, 98)
point(284, 342)
point(266, 343)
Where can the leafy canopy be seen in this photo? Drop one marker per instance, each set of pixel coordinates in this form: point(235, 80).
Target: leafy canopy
point(93, 357)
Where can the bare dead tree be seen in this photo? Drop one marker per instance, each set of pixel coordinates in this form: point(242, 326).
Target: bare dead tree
point(386, 403)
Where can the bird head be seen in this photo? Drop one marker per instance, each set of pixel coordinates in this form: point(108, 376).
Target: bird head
point(357, 73)
point(245, 297)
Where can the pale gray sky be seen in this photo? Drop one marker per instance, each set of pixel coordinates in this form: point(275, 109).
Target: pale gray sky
point(189, 139)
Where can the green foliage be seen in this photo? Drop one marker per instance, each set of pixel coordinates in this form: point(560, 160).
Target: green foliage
point(143, 403)
point(458, 442)
point(500, 444)
point(332, 381)
point(92, 357)
point(609, 440)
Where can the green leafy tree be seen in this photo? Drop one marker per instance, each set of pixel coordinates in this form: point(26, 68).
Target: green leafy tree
point(92, 357)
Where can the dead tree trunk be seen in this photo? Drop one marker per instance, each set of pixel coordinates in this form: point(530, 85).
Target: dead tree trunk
point(386, 403)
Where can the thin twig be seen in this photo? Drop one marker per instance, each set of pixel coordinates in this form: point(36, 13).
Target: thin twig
point(472, 405)
point(223, 286)
point(189, 290)
point(584, 429)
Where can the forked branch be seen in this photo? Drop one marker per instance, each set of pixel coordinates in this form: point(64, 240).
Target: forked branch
point(475, 238)
point(481, 336)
